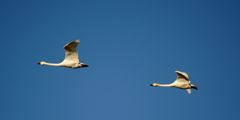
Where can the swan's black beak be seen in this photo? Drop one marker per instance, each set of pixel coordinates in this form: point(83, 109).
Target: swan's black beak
point(38, 63)
point(151, 84)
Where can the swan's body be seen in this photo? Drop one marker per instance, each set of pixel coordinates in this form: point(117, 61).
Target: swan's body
point(71, 57)
point(181, 82)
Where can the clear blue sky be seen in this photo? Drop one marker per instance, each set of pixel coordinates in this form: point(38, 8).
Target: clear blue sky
point(128, 44)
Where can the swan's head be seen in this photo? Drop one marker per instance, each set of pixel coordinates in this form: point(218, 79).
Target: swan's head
point(42, 63)
point(154, 84)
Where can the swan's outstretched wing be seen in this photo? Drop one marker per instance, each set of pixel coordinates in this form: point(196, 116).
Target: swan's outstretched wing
point(182, 75)
point(71, 54)
point(182, 79)
point(189, 91)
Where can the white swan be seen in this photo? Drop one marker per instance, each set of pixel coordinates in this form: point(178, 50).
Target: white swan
point(181, 82)
point(71, 57)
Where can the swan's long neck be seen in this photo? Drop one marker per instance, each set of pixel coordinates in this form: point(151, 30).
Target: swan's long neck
point(52, 64)
point(164, 85)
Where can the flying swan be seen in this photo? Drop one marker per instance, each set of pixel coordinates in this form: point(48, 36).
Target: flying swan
point(71, 57)
point(181, 82)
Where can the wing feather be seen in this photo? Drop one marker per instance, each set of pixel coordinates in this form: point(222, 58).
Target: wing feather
point(182, 75)
point(189, 91)
point(71, 54)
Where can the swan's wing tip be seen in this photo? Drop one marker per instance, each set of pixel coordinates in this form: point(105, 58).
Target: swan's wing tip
point(189, 91)
point(72, 45)
point(77, 41)
point(181, 74)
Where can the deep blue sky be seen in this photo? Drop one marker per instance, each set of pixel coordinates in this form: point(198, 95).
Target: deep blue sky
point(128, 45)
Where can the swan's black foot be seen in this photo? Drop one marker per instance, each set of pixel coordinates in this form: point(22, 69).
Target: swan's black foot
point(84, 65)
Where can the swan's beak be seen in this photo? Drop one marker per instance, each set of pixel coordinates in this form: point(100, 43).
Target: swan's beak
point(39, 63)
point(151, 85)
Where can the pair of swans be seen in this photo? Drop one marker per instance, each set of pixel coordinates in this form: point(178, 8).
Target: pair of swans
point(71, 57)
point(181, 82)
point(72, 61)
